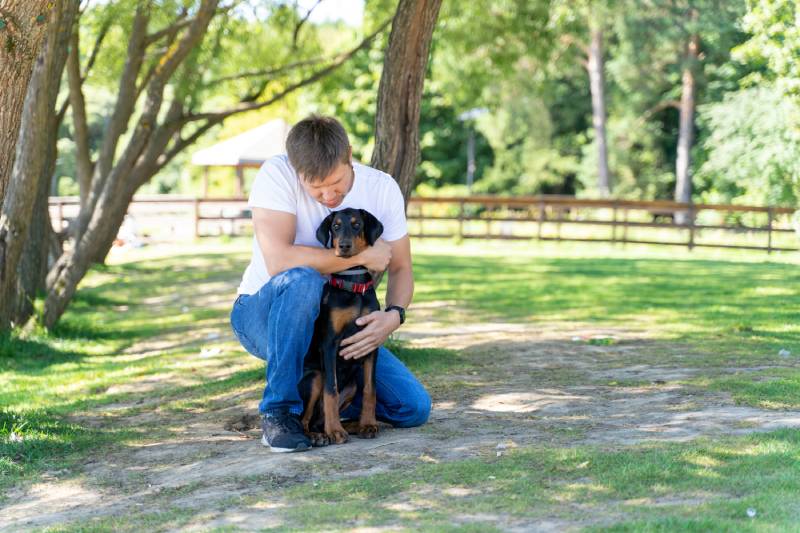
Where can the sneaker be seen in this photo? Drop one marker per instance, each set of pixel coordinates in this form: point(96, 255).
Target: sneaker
point(283, 432)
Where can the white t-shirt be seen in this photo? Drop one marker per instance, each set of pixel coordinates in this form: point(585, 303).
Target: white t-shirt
point(277, 187)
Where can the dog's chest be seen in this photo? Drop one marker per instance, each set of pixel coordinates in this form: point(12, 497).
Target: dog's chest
point(344, 307)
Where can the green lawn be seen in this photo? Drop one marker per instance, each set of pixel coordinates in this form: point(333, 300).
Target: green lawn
point(138, 320)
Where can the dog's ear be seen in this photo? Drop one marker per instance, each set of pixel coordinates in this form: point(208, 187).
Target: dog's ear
point(324, 231)
point(372, 226)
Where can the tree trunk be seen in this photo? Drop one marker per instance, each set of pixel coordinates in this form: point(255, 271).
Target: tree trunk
point(24, 23)
point(597, 87)
point(683, 184)
point(80, 124)
point(36, 137)
point(42, 248)
point(397, 118)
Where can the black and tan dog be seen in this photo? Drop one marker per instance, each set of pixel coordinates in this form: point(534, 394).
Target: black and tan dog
point(330, 382)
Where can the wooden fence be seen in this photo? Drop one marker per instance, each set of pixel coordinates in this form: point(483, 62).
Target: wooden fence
point(546, 218)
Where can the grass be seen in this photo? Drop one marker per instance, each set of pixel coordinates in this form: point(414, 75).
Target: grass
point(134, 339)
point(703, 486)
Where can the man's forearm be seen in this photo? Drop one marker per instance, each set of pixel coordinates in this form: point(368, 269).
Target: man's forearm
point(400, 288)
point(323, 260)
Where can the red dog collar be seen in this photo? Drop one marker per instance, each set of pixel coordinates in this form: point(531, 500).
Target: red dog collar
point(359, 288)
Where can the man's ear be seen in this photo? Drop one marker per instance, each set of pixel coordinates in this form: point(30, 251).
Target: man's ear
point(372, 226)
point(324, 231)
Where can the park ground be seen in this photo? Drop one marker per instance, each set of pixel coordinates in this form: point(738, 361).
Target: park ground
point(575, 387)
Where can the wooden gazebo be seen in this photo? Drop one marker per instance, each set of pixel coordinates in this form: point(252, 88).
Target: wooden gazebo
point(248, 149)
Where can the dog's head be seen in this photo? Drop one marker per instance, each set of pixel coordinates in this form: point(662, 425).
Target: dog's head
point(349, 231)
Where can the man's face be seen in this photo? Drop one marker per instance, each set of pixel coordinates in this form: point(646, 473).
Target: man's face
point(331, 191)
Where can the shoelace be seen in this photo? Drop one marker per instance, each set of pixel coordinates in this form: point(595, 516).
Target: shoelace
point(288, 423)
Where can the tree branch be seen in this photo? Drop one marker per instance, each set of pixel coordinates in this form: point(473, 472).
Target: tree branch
point(80, 125)
point(300, 24)
point(169, 30)
point(271, 71)
point(250, 106)
point(123, 110)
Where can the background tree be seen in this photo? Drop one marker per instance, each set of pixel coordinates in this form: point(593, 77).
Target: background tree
point(397, 118)
point(33, 166)
point(22, 28)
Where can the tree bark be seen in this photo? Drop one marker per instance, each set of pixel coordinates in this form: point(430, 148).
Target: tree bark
point(36, 137)
point(24, 23)
point(683, 183)
point(397, 149)
point(42, 248)
point(79, 122)
point(597, 87)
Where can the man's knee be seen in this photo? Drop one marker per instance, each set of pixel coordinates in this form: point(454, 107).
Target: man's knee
point(415, 412)
point(302, 282)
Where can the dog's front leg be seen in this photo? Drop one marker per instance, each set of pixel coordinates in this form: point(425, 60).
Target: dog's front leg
point(367, 424)
point(330, 397)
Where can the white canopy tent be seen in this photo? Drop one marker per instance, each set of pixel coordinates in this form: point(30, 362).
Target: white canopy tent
point(248, 149)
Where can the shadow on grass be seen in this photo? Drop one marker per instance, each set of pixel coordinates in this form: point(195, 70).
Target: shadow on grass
point(31, 354)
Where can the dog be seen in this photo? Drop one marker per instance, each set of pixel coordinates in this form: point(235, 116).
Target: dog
point(329, 382)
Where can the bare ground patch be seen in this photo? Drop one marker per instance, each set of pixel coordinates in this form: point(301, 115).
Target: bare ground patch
point(522, 385)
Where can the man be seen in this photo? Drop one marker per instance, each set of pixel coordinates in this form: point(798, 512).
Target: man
point(279, 297)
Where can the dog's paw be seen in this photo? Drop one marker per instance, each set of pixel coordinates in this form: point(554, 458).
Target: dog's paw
point(318, 439)
point(337, 436)
point(368, 431)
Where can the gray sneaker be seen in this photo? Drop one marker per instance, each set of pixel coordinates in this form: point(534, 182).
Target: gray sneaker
point(282, 432)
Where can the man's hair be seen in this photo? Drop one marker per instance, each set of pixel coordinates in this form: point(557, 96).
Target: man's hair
point(315, 146)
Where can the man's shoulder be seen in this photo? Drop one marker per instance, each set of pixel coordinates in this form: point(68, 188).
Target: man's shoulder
point(375, 176)
point(278, 162)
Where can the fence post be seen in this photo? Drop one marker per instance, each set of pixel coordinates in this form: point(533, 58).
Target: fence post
point(196, 217)
point(614, 224)
point(625, 226)
point(691, 225)
point(461, 220)
point(559, 218)
point(541, 219)
point(60, 215)
point(770, 216)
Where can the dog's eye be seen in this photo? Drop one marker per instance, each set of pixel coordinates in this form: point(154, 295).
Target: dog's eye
point(337, 226)
point(356, 225)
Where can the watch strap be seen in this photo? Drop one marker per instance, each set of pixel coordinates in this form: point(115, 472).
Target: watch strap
point(401, 311)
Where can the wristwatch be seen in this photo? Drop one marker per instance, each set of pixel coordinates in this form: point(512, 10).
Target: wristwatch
point(400, 310)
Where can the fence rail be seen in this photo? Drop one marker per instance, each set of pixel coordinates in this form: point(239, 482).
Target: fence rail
point(546, 218)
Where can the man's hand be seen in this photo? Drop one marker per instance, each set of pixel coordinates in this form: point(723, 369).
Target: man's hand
point(378, 326)
point(377, 256)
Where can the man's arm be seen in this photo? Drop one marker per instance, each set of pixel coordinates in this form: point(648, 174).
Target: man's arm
point(380, 324)
point(275, 233)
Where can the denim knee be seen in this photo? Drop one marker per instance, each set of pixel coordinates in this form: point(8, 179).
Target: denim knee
point(305, 285)
point(416, 413)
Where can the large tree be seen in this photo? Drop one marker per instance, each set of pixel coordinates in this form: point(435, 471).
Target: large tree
point(34, 160)
point(397, 119)
point(22, 28)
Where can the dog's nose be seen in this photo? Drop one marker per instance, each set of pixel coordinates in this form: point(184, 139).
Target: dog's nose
point(345, 246)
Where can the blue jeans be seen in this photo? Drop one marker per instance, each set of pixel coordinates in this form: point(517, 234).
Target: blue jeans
point(276, 324)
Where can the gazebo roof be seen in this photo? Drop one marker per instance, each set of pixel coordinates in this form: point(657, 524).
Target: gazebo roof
point(250, 148)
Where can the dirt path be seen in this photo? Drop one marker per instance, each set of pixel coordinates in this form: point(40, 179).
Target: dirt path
point(524, 386)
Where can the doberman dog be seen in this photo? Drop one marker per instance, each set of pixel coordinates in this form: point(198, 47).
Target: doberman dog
point(329, 382)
